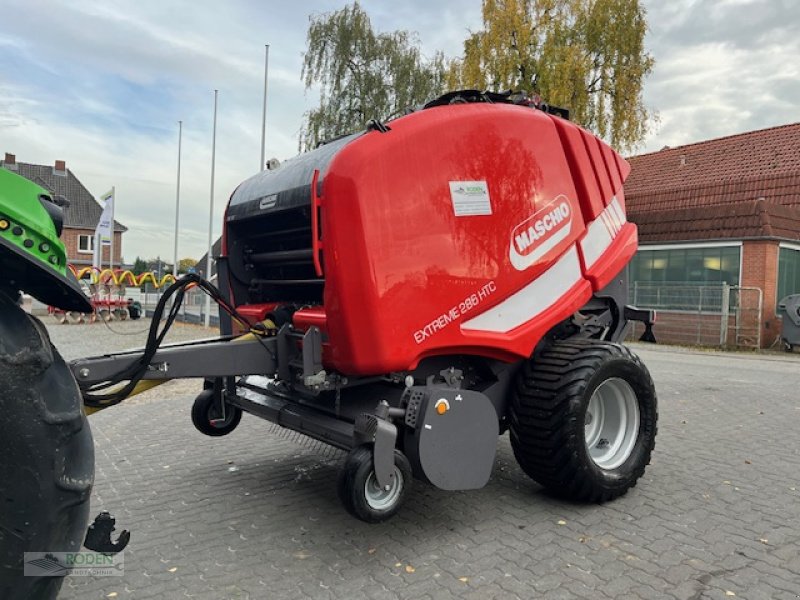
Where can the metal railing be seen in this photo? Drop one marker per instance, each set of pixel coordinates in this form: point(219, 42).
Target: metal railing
point(192, 310)
point(702, 314)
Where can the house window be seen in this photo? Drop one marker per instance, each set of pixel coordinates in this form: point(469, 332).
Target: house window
point(683, 278)
point(788, 272)
point(86, 244)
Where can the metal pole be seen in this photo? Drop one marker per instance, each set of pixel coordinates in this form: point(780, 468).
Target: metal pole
point(264, 109)
point(699, 314)
point(177, 202)
point(211, 210)
point(725, 310)
point(758, 317)
point(113, 208)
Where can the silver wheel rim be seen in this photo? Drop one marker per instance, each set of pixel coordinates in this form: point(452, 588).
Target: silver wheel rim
point(379, 498)
point(612, 423)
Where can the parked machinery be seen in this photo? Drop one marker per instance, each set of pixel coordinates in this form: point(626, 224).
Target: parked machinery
point(405, 293)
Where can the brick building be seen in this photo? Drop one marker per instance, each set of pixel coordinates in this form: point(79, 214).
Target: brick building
point(722, 211)
point(80, 217)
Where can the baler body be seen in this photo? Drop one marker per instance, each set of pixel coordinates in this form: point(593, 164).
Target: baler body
point(468, 229)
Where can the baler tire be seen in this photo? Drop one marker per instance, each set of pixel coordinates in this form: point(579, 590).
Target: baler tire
point(46, 454)
point(204, 410)
point(548, 414)
point(358, 476)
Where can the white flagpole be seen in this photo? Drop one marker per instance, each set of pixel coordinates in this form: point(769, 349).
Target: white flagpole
point(264, 110)
point(211, 210)
point(177, 202)
point(97, 258)
point(113, 206)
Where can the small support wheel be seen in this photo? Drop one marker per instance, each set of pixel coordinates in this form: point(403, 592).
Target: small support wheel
point(359, 490)
point(207, 418)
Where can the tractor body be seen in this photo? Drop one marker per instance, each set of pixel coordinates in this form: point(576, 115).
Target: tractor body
point(32, 257)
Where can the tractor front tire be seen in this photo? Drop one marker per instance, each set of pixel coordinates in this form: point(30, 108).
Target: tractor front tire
point(584, 419)
point(206, 415)
point(46, 454)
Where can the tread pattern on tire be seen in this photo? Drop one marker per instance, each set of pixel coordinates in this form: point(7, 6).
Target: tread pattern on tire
point(46, 454)
point(546, 423)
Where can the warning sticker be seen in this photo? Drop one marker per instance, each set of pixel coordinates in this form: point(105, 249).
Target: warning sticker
point(470, 198)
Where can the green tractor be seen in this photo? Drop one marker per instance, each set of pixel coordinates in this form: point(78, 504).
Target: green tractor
point(46, 448)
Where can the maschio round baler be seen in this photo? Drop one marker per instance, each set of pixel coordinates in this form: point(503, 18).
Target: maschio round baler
point(436, 281)
point(410, 292)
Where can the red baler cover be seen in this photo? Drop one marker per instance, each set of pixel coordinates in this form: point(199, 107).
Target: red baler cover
point(465, 229)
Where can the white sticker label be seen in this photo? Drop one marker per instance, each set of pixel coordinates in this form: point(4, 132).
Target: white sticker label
point(470, 198)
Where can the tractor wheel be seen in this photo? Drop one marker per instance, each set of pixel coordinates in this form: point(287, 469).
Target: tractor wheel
point(206, 417)
point(46, 454)
point(583, 419)
point(359, 490)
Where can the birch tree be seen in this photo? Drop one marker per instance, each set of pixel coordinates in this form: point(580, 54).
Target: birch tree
point(585, 55)
point(362, 74)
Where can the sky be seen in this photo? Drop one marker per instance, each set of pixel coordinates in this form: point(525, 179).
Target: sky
point(102, 85)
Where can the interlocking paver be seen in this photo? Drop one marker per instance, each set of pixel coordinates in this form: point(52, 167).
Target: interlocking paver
point(255, 514)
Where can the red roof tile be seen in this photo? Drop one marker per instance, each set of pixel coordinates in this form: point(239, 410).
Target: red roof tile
point(745, 185)
point(742, 220)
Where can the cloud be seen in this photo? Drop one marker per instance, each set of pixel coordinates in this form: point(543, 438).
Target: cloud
point(721, 68)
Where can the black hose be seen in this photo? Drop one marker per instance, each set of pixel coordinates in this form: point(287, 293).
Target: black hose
point(92, 393)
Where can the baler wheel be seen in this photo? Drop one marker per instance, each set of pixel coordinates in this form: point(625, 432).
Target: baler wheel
point(359, 490)
point(206, 415)
point(583, 419)
point(46, 454)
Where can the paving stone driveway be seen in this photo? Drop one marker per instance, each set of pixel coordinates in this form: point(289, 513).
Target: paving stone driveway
point(255, 514)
